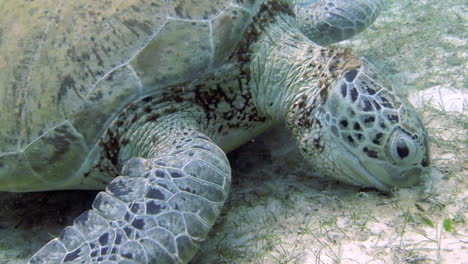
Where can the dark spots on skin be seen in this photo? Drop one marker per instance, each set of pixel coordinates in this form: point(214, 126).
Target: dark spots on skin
point(306, 116)
point(153, 117)
point(370, 153)
point(197, 147)
point(322, 52)
point(359, 137)
point(351, 75)
point(350, 140)
point(304, 122)
point(370, 90)
point(104, 239)
point(357, 127)
point(369, 120)
point(111, 146)
point(425, 162)
point(118, 188)
point(128, 231)
point(378, 139)
point(138, 224)
point(317, 144)
point(160, 163)
point(160, 173)
point(366, 105)
point(155, 194)
point(323, 93)
point(170, 110)
point(128, 216)
point(128, 255)
point(134, 118)
point(135, 208)
point(344, 90)
point(147, 99)
point(189, 190)
point(152, 208)
point(118, 239)
point(104, 251)
point(229, 91)
point(125, 141)
point(176, 174)
point(72, 255)
point(119, 123)
point(301, 102)
point(266, 15)
point(344, 123)
point(385, 103)
point(377, 105)
point(354, 94)
point(148, 109)
point(178, 99)
point(393, 118)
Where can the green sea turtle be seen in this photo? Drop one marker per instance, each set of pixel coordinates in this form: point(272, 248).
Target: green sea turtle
point(145, 97)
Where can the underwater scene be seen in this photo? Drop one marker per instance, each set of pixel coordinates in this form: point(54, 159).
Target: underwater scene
point(332, 155)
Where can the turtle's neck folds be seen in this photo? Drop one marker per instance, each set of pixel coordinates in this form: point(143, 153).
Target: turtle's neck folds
point(278, 66)
point(287, 68)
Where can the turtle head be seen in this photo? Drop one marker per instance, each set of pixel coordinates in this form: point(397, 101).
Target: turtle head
point(365, 133)
point(330, 21)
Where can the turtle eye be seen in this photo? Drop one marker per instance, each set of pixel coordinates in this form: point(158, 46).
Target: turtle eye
point(402, 147)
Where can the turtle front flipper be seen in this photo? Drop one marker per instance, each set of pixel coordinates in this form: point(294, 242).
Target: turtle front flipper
point(158, 212)
point(329, 21)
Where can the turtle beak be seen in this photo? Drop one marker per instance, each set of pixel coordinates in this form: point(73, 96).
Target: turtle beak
point(378, 175)
point(393, 176)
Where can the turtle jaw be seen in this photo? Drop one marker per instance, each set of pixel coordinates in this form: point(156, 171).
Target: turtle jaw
point(380, 175)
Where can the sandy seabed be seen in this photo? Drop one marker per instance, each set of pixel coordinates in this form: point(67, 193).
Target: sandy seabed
point(280, 212)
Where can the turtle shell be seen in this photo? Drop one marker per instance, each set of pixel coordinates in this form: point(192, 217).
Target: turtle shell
point(67, 68)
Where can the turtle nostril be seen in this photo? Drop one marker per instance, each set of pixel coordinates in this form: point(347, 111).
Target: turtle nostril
point(425, 163)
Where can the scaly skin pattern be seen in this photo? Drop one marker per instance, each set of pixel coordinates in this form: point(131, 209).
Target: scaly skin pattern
point(169, 146)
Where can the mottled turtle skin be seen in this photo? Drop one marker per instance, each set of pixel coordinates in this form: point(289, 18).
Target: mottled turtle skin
point(143, 98)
